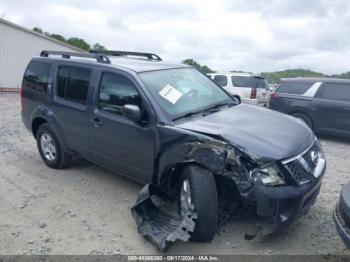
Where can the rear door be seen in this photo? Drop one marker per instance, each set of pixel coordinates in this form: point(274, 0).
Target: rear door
point(72, 85)
point(115, 141)
point(332, 106)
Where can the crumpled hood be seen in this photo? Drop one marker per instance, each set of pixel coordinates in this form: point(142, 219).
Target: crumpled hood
point(263, 134)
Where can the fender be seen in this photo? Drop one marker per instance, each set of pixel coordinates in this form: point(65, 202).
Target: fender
point(210, 154)
point(298, 109)
point(46, 113)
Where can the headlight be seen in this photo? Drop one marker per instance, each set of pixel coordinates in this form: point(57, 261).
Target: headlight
point(269, 175)
point(320, 149)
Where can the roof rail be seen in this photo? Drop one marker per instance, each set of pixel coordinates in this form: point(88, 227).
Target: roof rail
point(150, 56)
point(100, 58)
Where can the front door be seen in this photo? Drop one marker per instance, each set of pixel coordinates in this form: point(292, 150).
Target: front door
point(115, 141)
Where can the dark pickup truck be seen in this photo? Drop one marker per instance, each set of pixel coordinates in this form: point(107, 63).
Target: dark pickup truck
point(322, 103)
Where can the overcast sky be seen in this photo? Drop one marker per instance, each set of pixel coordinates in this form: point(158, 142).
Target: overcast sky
point(252, 35)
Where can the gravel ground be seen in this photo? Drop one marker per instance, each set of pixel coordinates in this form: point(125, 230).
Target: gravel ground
point(85, 209)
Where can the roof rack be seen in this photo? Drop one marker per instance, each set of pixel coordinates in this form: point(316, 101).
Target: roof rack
point(100, 58)
point(150, 56)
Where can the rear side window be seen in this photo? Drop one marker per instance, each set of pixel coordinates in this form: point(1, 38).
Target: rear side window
point(116, 91)
point(243, 81)
point(221, 80)
point(335, 91)
point(73, 83)
point(260, 82)
point(293, 87)
point(36, 76)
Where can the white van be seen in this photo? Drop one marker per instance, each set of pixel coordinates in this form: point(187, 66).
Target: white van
point(247, 88)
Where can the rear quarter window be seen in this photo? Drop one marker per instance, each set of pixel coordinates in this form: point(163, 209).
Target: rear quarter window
point(335, 91)
point(260, 82)
point(243, 81)
point(293, 88)
point(36, 76)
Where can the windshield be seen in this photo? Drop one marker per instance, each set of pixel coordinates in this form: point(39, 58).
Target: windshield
point(183, 90)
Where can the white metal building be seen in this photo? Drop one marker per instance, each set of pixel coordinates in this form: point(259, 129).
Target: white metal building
point(17, 46)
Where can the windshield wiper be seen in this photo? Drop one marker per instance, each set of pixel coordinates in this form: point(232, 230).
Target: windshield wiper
point(188, 115)
point(215, 108)
point(205, 111)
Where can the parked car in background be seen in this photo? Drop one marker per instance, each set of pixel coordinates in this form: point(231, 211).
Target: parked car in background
point(323, 104)
point(246, 88)
point(342, 215)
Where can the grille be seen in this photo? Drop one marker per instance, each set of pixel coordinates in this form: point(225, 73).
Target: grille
point(302, 167)
point(299, 172)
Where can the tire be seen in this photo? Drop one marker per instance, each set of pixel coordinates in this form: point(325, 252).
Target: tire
point(204, 199)
point(238, 98)
point(57, 159)
point(304, 118)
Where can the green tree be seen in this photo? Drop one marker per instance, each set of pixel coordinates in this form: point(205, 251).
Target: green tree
point(58, 37)
point(99, 47)
point(204, 69)
point(80, 43)
point(342, 75)
point(275, 77)
point(38, 30)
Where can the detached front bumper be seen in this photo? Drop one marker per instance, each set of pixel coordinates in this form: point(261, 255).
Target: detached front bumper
point(157, 226)
point(278, 207)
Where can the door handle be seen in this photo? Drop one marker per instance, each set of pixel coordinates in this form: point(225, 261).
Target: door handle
point(97, 122)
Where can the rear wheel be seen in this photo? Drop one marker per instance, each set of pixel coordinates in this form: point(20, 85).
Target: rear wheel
point(304, 118)
point(198, 193)
point(50, 148)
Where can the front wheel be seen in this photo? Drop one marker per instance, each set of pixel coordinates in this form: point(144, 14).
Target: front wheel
point(198, 193)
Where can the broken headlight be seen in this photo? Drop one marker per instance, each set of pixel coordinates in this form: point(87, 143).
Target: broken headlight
point(269, 175)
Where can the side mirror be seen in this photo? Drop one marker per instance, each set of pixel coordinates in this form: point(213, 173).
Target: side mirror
point(132, 112)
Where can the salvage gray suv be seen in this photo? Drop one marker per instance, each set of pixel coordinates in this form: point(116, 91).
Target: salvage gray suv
point(174, 129)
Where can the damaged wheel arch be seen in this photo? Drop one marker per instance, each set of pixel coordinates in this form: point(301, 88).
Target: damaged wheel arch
point(210, 155)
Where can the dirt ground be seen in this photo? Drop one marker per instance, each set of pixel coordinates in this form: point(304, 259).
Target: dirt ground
point(85, 209)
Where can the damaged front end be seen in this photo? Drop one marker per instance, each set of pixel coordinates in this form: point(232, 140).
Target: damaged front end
point(277, 192)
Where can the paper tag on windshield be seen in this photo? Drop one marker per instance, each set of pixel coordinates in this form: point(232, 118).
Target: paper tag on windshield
point(170, 93)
